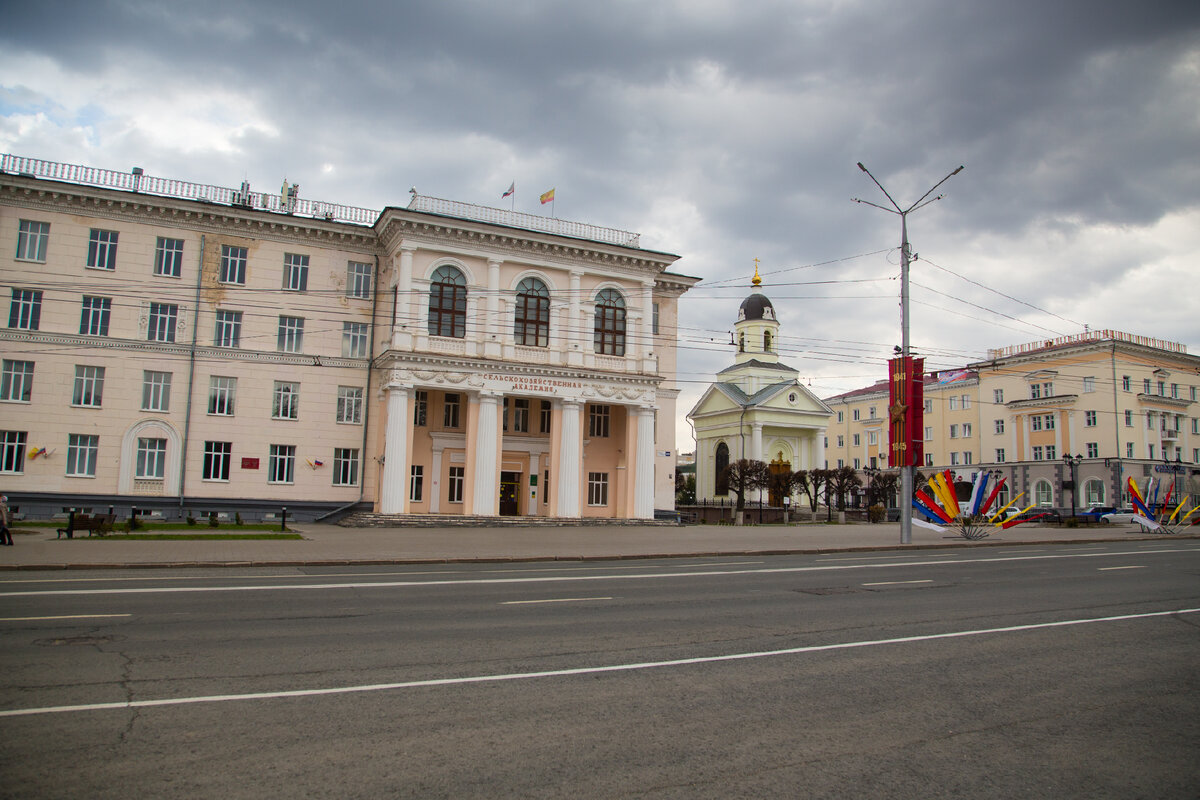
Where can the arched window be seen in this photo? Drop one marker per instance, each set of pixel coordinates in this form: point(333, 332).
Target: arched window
point(766, 341)
point(448, 303)
point(722, 463)
point(1043, 493)
point(532, 325)
point(609, 330)
point(742, 342)
point(1093, 492)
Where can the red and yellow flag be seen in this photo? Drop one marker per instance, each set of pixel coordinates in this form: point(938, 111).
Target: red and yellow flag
point(548, 197)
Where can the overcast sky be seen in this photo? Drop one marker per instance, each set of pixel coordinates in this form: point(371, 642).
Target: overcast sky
point(721, 131)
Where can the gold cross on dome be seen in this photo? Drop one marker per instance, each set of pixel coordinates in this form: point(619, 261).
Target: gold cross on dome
point(757, 280)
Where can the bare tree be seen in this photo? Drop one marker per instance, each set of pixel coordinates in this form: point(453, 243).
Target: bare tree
point(745, 476)
point(809, 482)
point(841, 481)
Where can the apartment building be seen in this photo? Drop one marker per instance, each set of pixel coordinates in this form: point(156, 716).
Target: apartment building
point(1124, 405)
point(185, 348)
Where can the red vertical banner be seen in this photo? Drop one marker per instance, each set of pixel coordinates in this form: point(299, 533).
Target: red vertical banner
point(906, 411)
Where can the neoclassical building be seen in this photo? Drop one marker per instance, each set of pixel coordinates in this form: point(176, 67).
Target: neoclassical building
point(757, 409)
point(185, 348)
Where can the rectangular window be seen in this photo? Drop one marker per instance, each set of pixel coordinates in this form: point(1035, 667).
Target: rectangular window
point(856, 415)
point(1089, 384)
point(1129, 449)
point(840, 416)
point(233, 264)
point(1128, 418)
point(345, 466)
point(929, 433)
point(421, 409)
point(1037, 452)
point(281, 466)
point(954, 459)
point(953, 431)
point(217, 456)
point(1125, 383)
point(16, 381)
point(544, 422)
point(968, 458)
point(1145, 386)
point(966, 401)
point(520, 422)
point(597, 488)
point(858, 463)
point(221, 394)
point(291, 335)
point(1149, 420)
point(354, 339)
point(102, 249)
point(151, 459)
point(1050, 422)
point(929, 459)
point(349, 404)
point(32, 238)
point(1035, 422)
point(928, 406)
point(1093, 449)
point(89, 386)
point(168, 257)
point(841, 440)
point(358, 280)
point(967, 430)
point(1195, 421)
point(161, 326)
point(156, 390)
point(872, 437)
point(1162, 388)
point(82, 449)
point(25, 312)
point(654, 319)
point(450, 410)
point(1051, 452)
point(1192, 391)
point(1035, 391)
point(295, 272)
point(999, 455)
point(953, 403)
point(416, 483)
point(871, 413)
point(998, 396)
point(286, 403)
point(12, 451)
point(841, 463)
point(93, 317)
point(1151, 451)
point(1175, 390)
point(455, 487)
point(598, 416)
point(228, 329)
point(1089, 419)
point(999, 426)
point(857, 440)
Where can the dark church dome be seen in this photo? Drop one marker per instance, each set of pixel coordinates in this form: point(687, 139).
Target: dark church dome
point(756, 306)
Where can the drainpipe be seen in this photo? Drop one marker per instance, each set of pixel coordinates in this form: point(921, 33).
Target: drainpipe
point(187, 420)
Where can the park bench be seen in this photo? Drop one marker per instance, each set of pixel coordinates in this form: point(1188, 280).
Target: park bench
point(92, 523)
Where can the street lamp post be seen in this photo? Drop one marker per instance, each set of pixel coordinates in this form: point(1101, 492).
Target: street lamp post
point(906, 470)
point(1072, 462)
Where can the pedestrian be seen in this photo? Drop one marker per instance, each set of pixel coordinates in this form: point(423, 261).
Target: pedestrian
point(5, 521)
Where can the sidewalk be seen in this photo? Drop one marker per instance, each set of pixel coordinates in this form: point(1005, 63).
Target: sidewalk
point(325, 545)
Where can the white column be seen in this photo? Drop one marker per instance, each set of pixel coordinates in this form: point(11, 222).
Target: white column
point(756, 453)
point(406, 323)
point(575, 327)
point(484, 487)
point(493, 326)
point(393, 497)
point(818, 441)
point(643, 493)
point(570, 458)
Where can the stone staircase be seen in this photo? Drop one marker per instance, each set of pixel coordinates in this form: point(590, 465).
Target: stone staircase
point(373, 520)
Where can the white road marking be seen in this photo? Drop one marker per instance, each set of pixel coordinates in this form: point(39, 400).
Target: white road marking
point(1107, 569)
point(64, 616)
point(555, 600)
point(896, 583)
point(559, 673)
point(565, 578)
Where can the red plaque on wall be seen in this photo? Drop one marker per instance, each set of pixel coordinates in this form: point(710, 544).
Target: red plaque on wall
point(249, 463)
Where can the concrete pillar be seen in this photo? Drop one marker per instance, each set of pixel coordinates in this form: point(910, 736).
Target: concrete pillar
point(570, 459)
point(493, 326)
point(643, 496)
point(575, 327)
point(486, 501)
point(393, 490)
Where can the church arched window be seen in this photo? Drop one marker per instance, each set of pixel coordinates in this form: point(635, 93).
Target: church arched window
point(448, 303)
point(766, 341)
point(722, 463)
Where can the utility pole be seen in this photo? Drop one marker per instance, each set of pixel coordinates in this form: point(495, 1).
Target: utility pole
point(906, 471)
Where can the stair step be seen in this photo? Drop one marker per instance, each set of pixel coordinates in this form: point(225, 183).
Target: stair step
point(373, 520)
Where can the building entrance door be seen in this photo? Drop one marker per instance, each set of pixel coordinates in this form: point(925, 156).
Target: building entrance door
point(779, 469)
point(510, 489)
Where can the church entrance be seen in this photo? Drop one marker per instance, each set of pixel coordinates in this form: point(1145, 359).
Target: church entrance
point(780, 470)
point(510, 487)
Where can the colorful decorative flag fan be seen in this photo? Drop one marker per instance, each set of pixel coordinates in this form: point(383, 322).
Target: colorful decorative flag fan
point(1152, 515)
point(970, 519)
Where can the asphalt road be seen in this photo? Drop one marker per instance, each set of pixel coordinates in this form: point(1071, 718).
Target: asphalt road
point(1053, 671)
